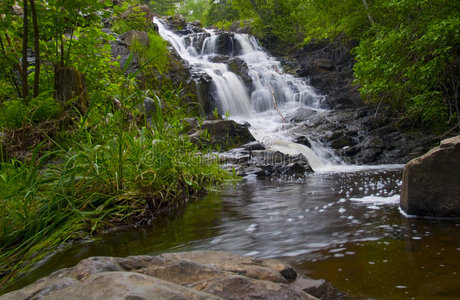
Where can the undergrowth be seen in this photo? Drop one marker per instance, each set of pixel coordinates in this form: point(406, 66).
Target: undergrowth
point(118, 164)
point(67, 174)
point(118, 172)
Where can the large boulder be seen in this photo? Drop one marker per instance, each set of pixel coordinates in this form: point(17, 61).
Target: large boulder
point(191, 275)
point(221, 134)
point(431, 183)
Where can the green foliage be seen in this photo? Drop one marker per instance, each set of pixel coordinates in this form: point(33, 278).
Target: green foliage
point(14, 113)
point(155, 53)
point(221, 12)
point(117, 163)
point(163, 7)
point(410, 60)
point(130, 19)
point(193, 10)
point(114, 172)
point(408, 53)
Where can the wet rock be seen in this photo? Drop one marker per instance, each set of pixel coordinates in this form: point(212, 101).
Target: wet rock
point(254, 146)
point(225, 43)
point(341, 141)
point(267, 163)
point(319, 288)
point(329, 67)
point(240, 68)
point(197, 40)
point(221, 134)
point(190, 275)
point(302, 114)
point(294, 170)
point(197, 23)
point(256, 171)
point(359, 135)
point(303, 140)
point(431, 182)
point(235, 65)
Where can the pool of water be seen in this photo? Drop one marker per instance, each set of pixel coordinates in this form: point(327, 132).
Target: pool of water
point(344, 227)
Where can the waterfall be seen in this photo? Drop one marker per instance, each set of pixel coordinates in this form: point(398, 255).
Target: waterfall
point(254, 104)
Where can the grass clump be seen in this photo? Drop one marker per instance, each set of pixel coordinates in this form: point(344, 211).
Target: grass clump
point(123, 168)
point(155, 53)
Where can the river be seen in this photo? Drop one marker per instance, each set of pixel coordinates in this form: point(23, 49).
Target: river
point(343, 227)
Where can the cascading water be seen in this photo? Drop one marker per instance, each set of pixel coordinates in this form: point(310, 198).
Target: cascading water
point(254, 104)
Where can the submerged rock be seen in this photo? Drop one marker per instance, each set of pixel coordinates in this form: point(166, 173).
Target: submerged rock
point(189, 275)
point(431, 183)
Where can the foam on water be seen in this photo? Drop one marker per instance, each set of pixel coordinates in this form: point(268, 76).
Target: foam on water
point(376, 200)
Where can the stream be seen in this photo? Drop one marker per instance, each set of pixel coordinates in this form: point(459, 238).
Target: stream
point(342, 223)
point(343, 227)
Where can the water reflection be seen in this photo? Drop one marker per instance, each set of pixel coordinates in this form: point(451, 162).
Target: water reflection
point(344, 227)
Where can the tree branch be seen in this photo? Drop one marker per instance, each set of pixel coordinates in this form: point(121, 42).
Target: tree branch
point(36, 48)
point(25, 41)
point(275, 105)
point(368, 13)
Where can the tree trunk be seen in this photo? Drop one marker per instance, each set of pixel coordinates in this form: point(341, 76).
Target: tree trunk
point(36, 48)
point(368, 13)
point(70, 84)
point(25, 41)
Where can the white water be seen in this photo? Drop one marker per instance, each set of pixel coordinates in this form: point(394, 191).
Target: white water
point(256, 106)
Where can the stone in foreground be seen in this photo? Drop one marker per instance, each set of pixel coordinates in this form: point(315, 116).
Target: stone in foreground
point(431, 183)
point(190, 275)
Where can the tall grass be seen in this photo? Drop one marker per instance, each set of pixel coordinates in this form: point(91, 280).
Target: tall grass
point(115, 173)
point(117, 164)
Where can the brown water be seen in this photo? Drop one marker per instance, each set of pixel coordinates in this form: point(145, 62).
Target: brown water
point(343, 227)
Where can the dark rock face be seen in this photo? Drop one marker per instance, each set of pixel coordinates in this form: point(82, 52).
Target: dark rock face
point(253, 160)
point(225, 44)
point(359, 136)
point(221, 134)
point(431, 183)
point(329, 67)
point(237, 66)
point(180, 26)
point(191, 275)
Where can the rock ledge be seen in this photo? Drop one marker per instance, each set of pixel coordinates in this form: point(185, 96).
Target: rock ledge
point(188, 275)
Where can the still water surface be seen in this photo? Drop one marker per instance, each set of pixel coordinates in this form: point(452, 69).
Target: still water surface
point(343, 227)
